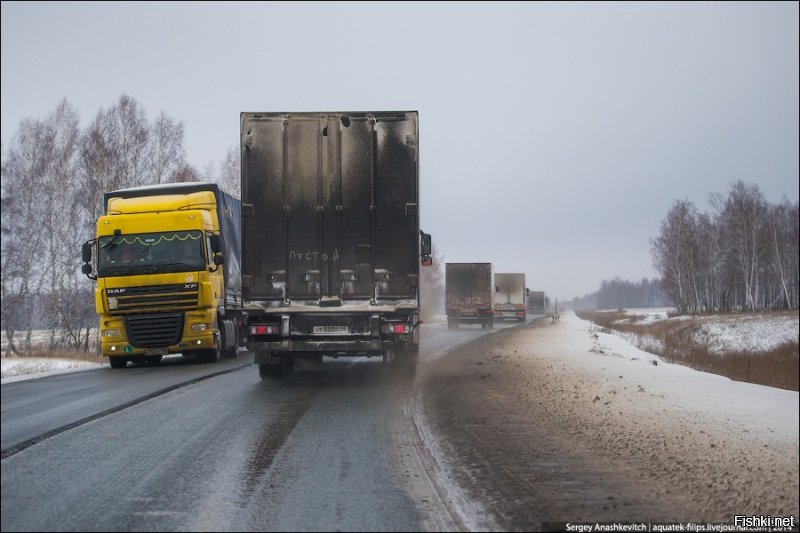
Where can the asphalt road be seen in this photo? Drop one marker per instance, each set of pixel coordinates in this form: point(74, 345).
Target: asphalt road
point(215, 448)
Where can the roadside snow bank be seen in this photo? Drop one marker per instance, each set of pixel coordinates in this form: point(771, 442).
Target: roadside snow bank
point(18, 368)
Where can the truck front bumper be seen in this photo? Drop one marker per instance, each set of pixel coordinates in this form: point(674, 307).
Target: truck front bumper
point(122, 348)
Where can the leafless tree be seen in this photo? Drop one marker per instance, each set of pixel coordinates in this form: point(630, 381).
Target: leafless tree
point(185, 173)
point(672, 253)
point(41, 219)
point(782, 239)
point(742, 220)
point(229, 174)
point(166, 147)
point(743, 257)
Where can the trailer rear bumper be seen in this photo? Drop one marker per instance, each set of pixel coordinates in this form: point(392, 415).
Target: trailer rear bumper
point(265, 352)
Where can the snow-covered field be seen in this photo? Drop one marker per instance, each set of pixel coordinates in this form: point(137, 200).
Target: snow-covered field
point(721, 334)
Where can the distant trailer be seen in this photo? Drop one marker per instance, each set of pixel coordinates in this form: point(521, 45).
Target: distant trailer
point(509, 300)
point(469, 294)
point(537, 302)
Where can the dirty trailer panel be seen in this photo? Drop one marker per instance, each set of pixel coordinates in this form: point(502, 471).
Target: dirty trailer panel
point(330, 235)
point(334, 206)
point(469, 294)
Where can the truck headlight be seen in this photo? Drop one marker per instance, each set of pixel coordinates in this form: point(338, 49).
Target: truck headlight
point(110, 333)
point(201, 327)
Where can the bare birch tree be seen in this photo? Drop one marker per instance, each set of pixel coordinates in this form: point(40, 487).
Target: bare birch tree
point(742, 225)
point(672, 253)
point(166, 147)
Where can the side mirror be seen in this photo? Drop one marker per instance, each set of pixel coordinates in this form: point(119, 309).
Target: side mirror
point(219, 259)
point(426, 260)
point(86, 252)
point(527, 291)
point(425, 244)
point(216, 245)
point(86, 268)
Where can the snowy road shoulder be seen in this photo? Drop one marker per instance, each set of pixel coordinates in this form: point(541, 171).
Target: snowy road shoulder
point(558, 422)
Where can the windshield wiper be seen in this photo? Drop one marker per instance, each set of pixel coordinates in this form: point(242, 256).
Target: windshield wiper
point(113, 242)
point(116, 270)
point(180, 264)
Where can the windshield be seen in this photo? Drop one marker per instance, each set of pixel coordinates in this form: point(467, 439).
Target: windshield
point(149, 253)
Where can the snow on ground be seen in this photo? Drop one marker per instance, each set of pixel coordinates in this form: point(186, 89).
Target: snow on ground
point(684, 387)
point(672, 442)
point(747, 332)
point(721, 333)
point(646, 315)
point(728, 445)
point(19, 368)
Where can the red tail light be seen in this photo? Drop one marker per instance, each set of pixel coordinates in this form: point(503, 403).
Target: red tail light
point(264, 329)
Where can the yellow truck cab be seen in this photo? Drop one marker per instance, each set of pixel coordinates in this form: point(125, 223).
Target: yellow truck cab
point(166, 261)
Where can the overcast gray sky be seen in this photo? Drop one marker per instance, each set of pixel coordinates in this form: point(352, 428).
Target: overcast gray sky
point(554, 137)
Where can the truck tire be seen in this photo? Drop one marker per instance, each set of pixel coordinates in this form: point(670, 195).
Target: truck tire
point(401, 362)
point(228, 328)
point(117, 362)
point(213, 355)
point(490, 323)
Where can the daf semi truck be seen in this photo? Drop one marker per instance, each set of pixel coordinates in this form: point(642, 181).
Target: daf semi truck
point(331, 240)
point(469, 294)
point(509, 301)
point(166, 262)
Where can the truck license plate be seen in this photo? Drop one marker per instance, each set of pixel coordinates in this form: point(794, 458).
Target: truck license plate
point(331, 330)
point(155, 351)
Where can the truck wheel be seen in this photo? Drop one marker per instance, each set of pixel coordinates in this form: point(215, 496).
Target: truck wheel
point(402, 362)
point(213, 355)
point(229, 327)
point(117, 362)
point(406, 363)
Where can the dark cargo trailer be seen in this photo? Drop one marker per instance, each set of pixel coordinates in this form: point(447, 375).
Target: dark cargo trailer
point(469, 294)
point(331, 243)
point(509, 300)
point(537, 302)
